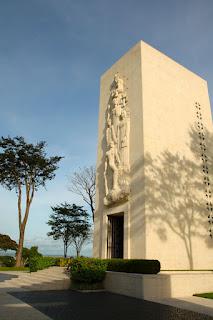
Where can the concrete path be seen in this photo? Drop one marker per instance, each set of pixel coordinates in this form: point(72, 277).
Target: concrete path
point(196, 304)
point(54, 278)
point(12, 308)
point(25, 296)
point(73, 305)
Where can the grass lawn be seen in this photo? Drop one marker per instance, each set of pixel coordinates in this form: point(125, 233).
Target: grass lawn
point(208, 295)
point(198, 270)
point(14, 269)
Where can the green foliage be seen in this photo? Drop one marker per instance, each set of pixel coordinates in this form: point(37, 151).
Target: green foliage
point(28, 254)
point(69, 223)
point(90, 270)
point(22, 162)
point(63, 262)
point(24, 167)
point(133, 266)
point(207, 295)
point(14, 269)
point(6, 243)
point(7, 261)
point(25, 256)
point(39, 263)
point(87, 270)
point(33, 252)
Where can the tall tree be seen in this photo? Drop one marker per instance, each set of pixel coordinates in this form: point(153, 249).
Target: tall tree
point(24, 167)
point(69, 223)
point(82, 182)
point(6, 243)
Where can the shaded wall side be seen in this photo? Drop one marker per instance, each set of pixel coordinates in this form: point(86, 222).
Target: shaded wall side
point(176, 216)
point(137, 196)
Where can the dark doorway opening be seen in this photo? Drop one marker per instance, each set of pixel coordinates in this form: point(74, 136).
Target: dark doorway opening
point(115, 238)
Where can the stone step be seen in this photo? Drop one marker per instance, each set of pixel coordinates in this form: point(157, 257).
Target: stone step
point(56, 285)
point(32, 280)
point(40, 277)
point(53, 278)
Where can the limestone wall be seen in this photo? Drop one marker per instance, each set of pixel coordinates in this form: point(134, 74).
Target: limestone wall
point(165, 216)
point(176, 213)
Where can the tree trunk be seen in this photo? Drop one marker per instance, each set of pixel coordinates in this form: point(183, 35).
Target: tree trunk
point(22, 226)
point(65, 250)
point(91, 206)
point(77, 252)
point(20, 247)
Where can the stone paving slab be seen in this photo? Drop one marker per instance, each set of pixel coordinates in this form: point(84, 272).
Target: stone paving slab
point(192, 303)
point(73, 305)
point(12, 308)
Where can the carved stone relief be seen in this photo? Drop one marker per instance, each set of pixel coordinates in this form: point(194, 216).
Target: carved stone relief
point(116, 172)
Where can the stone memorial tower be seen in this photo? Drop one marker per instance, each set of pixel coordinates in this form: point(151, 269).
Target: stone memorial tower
point(154, 163)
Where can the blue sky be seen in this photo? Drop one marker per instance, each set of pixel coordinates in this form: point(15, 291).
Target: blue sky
point(52, 54)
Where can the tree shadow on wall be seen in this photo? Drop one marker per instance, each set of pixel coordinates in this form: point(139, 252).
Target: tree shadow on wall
point(175, 194)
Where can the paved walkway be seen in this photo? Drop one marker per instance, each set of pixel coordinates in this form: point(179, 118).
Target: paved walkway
point(192, 303)
point(63, 305)
point(12, 308)
point(41, 296)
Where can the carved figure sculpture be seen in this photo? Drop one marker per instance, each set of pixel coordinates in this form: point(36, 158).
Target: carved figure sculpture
point(110, 132)
point(117, 140)
point(112, 162)
point(124, 131)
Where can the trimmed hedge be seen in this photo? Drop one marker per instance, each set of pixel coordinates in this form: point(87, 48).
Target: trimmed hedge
point(133, 266)
point(89, 273)
point(87, 270)
point(7, 261)
point(40, 263)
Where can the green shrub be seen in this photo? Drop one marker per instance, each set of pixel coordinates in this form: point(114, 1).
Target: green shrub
point(14, 269)
point(133, 266)
point(33, 252)
point(7, 261)
point(28, 254)
point(40, 263)
point(63, 262)
point(87, 270)
point(57, 262)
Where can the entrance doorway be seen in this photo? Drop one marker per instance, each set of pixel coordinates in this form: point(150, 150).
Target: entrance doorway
point(115, 241)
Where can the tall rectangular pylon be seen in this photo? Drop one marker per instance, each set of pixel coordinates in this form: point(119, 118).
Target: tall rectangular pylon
point(154, 163)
